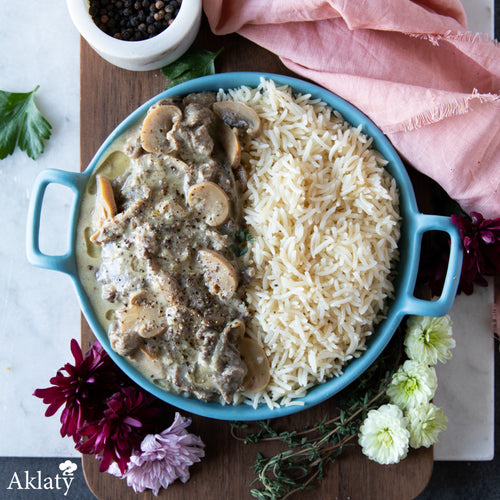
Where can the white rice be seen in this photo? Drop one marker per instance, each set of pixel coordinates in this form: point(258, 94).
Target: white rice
point(324, 215)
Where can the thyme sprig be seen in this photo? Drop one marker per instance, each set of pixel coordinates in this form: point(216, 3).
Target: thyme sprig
point(308, 451)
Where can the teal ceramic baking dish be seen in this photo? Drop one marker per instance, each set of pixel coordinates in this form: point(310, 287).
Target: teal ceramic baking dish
point(414, 225)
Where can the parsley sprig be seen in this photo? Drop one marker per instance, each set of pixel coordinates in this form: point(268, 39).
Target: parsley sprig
point(193, 64)
point(308, 451)
point(22, 124)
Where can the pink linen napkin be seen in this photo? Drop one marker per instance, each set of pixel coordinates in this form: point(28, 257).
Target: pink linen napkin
point(411, 66)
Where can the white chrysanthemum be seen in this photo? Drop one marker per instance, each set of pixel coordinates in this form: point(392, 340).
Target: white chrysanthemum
point(429, 339)
point(413, 384)
point(383, 436)
point(425, 423)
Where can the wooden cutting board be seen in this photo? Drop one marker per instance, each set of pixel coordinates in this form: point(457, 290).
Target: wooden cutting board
point(108, 95)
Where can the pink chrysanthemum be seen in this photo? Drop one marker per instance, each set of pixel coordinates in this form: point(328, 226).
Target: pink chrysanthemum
point(81, 389)
point(163, 458)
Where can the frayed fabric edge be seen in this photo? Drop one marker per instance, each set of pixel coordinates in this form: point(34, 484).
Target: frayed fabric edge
point(458, 106)
point(464, 36)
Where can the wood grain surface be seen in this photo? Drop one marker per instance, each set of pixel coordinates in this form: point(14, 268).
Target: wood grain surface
point(108, 95)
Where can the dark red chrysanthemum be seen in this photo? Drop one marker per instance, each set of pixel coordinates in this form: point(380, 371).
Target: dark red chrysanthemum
point(81, 389)
point(122, 427)
point(481, 241)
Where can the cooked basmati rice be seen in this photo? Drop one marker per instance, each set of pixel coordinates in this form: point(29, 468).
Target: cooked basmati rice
point(324, 215)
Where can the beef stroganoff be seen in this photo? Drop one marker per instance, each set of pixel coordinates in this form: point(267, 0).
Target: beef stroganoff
point(202, 312)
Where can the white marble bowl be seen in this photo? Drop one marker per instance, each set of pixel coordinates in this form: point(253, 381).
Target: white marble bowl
point(143, 55)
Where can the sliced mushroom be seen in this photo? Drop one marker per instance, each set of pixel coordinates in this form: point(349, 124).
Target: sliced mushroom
point(142, 316)
point(105, 197)
point(157, 124)
point(219, 274)
point(133, 148)
point(258, 373)
point(237, 328)
point(176, 164)
point(113, 228)
point(167, 285)
point(239, 115)
point(105, 205)
point(210, 200)
point(230, 144)
point(139, 298)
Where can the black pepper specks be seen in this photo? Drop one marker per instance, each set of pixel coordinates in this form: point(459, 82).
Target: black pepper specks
point(133, 20)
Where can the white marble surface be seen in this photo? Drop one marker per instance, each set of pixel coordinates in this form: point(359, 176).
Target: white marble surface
point(466, 382)
point(38, 310)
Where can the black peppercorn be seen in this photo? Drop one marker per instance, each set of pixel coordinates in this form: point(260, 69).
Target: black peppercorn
point(133, 20)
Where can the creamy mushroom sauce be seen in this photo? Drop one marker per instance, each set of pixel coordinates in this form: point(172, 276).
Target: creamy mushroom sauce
point(158, 220)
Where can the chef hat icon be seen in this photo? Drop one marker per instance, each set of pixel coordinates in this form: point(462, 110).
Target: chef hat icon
point(67, 467)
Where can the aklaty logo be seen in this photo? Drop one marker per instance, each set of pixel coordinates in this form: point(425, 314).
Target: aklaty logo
point(29, 481)
point(67, 468)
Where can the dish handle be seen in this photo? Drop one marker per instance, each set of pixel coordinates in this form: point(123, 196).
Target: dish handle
point(442, 305)
point(66, 262)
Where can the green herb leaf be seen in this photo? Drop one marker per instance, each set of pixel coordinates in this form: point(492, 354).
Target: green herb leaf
point(22, 124)
point(193, 64)
point(242, 237)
